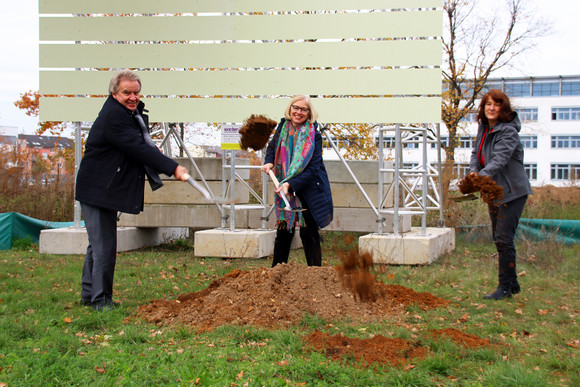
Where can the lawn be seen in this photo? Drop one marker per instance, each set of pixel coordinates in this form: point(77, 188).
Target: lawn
point(47, 338)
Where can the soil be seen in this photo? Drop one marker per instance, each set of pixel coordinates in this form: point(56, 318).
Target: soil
point(382, 350)
point(255, 132)
point(280, 297)
point(490, 190)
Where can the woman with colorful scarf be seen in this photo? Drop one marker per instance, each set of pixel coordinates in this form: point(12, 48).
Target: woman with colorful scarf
point(295, 156)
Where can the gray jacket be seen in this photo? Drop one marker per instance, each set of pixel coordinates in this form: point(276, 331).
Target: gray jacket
point(501, 157)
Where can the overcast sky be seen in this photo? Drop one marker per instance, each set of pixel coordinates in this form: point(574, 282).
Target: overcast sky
point(557, 54)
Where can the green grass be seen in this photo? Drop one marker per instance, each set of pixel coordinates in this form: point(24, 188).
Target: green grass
point(46, 338)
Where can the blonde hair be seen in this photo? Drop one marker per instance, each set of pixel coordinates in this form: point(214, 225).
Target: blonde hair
point(312, 113)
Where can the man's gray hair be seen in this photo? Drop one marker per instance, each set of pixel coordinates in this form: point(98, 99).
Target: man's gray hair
point(123, 75)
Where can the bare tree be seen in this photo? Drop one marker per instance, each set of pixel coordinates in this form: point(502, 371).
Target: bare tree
point(479, 38)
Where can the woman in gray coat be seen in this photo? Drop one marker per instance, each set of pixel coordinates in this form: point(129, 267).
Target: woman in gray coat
point(498, 153)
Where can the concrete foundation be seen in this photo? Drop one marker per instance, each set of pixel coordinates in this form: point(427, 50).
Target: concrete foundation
point(71, 240)
point(410, 248)
point(239, 243)
point(234, 244)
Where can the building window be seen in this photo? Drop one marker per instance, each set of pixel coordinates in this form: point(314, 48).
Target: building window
point(532, 171)
point(565, 141)
point(530, 142)
point(470, 117)
point(444, 142)
point(461, 169)
point(409, 165)
point(388, 142)
point(570, 88)
point(465, 142)
point(489, 86)
point(518, 89)
point(528, 114)
point(565, 113)
point(546, 89)
point(565, 171)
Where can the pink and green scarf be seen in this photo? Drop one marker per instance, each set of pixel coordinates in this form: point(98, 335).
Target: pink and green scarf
point(293, 153)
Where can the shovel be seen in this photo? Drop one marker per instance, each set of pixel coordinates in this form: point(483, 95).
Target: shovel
point(205, 192)
point(287, 206)
point(464, 198)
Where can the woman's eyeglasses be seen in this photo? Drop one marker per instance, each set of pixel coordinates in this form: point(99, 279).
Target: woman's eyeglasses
point(300, 109)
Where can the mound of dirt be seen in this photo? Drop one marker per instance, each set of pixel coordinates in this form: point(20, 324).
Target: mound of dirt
point(281, 296)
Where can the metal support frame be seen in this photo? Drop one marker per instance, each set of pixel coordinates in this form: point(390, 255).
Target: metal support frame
point(414, 188)
point(416, 182)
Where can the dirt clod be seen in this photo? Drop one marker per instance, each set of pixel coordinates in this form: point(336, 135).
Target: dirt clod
point(255, 132)
point(490, 190)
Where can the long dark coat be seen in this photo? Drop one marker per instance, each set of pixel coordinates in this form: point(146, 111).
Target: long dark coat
point(311, 185)
point(112, 171)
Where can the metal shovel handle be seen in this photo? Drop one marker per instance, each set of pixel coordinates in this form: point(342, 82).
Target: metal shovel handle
point(198, 186)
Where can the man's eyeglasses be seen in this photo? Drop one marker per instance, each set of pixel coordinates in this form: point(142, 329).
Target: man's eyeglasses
point(300, 109)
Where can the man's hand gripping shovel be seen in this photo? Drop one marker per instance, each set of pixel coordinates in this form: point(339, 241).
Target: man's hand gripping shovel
point(205, 192)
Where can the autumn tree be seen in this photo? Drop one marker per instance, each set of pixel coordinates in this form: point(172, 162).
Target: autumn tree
point(29, 102)
point(357, 140)
point(479, 39)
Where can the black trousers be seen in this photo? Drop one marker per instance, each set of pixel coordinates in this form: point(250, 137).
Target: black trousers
point(310, 241)
point(101, 256)
point(504, 222)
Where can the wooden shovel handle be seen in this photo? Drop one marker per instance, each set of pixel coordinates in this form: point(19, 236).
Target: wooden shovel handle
point(277, 185)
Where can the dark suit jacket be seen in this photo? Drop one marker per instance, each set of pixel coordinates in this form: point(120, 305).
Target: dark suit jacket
point(112, 172)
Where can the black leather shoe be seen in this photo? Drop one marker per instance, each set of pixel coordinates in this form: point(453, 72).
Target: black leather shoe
point(106, 305)
point(85, 302)
point(499, 294)
point(516, 287)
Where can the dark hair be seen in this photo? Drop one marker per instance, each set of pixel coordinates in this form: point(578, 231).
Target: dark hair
point(505, 111)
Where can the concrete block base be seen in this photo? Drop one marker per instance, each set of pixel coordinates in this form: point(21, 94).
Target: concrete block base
point(239, 243)
point(71, 240)
point(411, 248)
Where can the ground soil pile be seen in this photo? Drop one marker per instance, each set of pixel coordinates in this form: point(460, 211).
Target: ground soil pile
point(281, 296)
point(490, 191)
point(383, 350)
point(255, 132)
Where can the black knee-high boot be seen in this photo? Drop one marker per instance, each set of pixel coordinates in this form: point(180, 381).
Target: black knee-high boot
point(311, 240)
point(282, 244)
point(311, 243)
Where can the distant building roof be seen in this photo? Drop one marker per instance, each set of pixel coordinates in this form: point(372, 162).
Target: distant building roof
point(7, 140)
point(46, 142)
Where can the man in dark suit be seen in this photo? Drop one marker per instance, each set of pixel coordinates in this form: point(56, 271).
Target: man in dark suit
point(119, 154)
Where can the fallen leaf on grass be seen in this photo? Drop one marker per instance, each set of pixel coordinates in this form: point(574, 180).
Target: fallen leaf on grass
point(543, 312)
point(68, 320)
point(101, 370)
point(573, 343)
point(464, 318)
